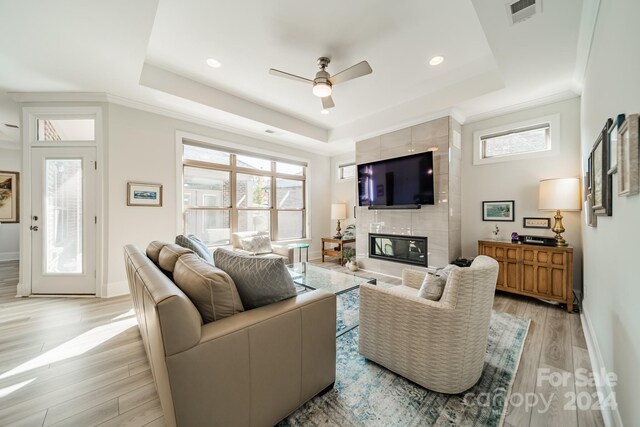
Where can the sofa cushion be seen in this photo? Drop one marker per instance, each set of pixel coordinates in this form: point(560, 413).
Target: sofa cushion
point(260, 280)
point(153, 250)
point(257, 245)
point(169, 255)
point(194, 243)
point(210, 289)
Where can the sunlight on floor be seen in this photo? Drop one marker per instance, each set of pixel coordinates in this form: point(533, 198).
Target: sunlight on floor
point(125, 315)
point(75, 347)
point(8, 390)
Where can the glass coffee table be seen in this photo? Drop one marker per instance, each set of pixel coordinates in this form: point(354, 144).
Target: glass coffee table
point(344, 285)
point(311, 276)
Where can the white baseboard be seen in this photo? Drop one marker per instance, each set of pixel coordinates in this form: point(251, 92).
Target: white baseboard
point(611, 416)
point(115, 289)
point(9, 256)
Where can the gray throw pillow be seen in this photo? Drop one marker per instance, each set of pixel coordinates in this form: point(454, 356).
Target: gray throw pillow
point(259, 280)
point(432, 287)
point(196, 245)
point(210, 289)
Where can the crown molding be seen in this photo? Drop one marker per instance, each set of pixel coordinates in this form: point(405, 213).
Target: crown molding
point(588, 21)
point(558, 97)
point(24, 97)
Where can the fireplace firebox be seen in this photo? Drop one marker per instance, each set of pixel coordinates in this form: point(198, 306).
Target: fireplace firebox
point(398, 248)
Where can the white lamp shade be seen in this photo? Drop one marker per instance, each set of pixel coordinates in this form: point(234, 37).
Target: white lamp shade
point(559, 194)
point(338, 211)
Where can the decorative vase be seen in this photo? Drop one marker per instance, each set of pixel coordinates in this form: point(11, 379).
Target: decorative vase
point(347, 264)
point(353, 266)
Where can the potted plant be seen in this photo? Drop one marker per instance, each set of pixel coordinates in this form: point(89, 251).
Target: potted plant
point(348, 254)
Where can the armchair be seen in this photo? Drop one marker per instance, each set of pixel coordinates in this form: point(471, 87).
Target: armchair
point(282, 251)
point(437, 344)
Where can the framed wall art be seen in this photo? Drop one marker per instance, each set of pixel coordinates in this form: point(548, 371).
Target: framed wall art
point(601, 181)
point(536, 222)
point(628, 157)
point(503, 210)
point(141, 194)
point(613, 144)
point(9, 197)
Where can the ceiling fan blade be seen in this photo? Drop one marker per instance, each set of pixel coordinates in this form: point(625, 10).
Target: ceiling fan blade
point(360, 69)
point(279, 73)
point(327, 102)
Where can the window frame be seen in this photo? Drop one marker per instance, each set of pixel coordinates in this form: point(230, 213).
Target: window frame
point(234, 170)
point(552, 121)
point(340, 172)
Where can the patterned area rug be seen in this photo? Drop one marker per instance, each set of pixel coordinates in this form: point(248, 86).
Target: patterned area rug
point(366, 394)
point(347, 306)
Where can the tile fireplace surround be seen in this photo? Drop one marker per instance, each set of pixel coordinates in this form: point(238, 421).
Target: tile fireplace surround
point(441, 222)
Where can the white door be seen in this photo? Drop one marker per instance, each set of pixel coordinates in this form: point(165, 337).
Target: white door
point(63, 220)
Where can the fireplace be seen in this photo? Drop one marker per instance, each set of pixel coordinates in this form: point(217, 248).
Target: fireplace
point(397, 248)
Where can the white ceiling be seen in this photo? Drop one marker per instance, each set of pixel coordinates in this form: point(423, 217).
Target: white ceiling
point(152, 54)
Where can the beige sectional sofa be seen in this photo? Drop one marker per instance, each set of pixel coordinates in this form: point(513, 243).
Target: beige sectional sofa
point(251, 369)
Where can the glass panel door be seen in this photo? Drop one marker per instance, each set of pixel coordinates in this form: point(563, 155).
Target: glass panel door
point(63, 221)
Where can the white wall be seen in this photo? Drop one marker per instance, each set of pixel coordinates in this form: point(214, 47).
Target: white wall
point(518, 180)
point(343, 191)
point(10, 160)
point(141, 147)
point(612, 250)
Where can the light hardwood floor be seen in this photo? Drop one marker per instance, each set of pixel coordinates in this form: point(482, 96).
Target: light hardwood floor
point(81, 362)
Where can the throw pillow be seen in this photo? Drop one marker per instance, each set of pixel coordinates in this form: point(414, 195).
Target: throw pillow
point(169, 255)
point(210, 289)
point(260, 280)
point(153, 250)
point(432, 287)
point(196, 245)
point(257, 245)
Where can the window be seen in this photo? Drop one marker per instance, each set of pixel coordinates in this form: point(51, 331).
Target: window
point(65, 130)
point(346, 171)
point(517, 141)
point(225, 192)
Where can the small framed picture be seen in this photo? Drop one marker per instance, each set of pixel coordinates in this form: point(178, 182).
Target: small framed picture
point(628, 157)
point(613, 144)
point(503, 210)
point(601, 187)
point(141, 194)
point(536, 222)
point(9, 197)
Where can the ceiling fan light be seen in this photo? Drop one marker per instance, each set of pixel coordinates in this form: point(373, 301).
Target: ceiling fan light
point(321, 90)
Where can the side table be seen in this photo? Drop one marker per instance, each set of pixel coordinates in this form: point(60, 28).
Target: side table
point(336, 249)
point(300, 247)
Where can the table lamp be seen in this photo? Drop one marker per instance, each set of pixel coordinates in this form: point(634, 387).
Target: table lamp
point(556, 195)
point(338, 212)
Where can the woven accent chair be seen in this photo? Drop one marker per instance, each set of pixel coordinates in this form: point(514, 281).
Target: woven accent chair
point(439, 345)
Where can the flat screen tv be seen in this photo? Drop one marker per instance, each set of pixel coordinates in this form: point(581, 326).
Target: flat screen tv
point(403, 182)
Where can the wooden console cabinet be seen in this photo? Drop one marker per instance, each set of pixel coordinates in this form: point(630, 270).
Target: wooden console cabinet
point(539, 271)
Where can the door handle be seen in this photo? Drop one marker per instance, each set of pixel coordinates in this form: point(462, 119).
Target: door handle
point(33, 228)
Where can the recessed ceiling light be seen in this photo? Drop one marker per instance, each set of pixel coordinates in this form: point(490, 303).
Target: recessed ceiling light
point(324, 111)
point(436, 60)
point(213, 63)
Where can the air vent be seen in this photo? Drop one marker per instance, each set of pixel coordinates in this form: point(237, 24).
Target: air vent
point(522, 10)
point(11, 126)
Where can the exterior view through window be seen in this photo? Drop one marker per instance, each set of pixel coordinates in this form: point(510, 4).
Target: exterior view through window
point(226, 192)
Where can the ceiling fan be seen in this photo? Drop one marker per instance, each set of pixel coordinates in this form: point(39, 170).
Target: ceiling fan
point(323, 82)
